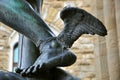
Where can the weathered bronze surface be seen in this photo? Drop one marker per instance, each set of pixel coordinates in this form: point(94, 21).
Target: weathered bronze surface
point(53, 50)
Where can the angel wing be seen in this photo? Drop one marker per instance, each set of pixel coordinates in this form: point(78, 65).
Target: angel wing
point(77, 22)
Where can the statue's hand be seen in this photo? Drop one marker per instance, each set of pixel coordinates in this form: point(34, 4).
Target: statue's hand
point(53, 54)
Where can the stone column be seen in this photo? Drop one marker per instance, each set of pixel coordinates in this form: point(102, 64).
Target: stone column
point(117, 8)
point(111, 40)
point(100, 48)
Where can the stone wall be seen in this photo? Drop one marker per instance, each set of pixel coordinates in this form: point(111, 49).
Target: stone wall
point(4, 60)
point(5, 33)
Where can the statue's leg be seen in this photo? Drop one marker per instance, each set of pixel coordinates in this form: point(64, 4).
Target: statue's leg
point(18, 15)
point(28, 52)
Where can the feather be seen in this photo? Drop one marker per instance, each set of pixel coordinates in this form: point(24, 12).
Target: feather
point(77, 22)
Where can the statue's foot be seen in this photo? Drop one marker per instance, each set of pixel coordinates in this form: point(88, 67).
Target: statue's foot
point(50, 60)
point(53, 55)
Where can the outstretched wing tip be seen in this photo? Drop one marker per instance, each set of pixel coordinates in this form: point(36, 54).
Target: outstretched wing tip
point(101, 32)
point(104, 33)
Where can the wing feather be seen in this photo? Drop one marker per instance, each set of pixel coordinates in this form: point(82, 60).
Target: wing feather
point(77, 22)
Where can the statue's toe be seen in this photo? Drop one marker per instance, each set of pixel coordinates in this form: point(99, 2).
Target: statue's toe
point(18, 70)
point(36, 68)
point(23, 72)
point(29, 70)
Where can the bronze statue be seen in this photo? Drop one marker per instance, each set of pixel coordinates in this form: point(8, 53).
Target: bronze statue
point(54, 50)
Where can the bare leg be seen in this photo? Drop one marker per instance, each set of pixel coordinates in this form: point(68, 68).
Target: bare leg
point(28, 52)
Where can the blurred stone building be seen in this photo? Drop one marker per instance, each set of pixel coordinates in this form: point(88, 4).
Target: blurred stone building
point(98, 58)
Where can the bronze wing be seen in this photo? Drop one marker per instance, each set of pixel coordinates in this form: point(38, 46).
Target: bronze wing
point(77, 22)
